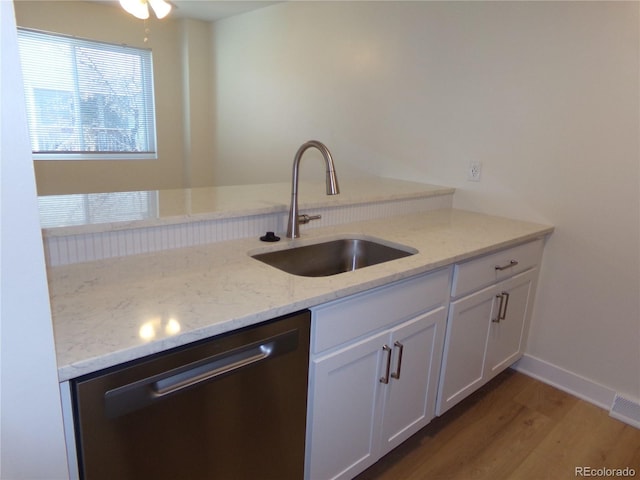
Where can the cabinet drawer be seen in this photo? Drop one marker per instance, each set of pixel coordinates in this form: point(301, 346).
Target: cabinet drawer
point(342, 320)
point(480, 272)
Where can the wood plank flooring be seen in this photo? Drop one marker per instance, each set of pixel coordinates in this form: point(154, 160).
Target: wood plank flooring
point(513, 428)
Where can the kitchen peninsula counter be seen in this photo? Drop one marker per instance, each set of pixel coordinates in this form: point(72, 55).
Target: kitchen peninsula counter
point(123, 210)
point(110, 311)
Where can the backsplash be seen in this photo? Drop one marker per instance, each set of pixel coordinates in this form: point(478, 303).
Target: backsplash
point(85, 247)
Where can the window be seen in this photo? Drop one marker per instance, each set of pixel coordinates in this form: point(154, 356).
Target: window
point(86, 99)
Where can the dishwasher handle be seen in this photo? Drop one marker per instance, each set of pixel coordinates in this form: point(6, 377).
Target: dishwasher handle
point(134, 396)
point(194, 376)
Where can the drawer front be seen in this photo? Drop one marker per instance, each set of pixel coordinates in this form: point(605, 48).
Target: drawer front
point(342, 320)
point(481, 272)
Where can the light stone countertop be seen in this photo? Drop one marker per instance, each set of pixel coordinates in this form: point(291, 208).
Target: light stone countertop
point(108, 312)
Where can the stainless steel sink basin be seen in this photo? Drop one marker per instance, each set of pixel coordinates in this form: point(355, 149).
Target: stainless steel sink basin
point(333, 256)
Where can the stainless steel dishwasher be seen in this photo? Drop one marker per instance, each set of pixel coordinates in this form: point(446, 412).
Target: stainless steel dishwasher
point(231, 408)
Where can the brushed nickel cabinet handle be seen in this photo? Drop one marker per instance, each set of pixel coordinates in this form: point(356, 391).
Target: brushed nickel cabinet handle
point(400, 346)
point(386, 349)
point(499, 314)
point(512, 263)
point(503, 315)
point(502, 308)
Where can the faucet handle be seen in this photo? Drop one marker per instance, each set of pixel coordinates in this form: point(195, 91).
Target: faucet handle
point(304, 218)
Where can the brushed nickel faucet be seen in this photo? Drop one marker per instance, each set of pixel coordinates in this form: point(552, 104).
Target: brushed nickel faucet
point(293, 224)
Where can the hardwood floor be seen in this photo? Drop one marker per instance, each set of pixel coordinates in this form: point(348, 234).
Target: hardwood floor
point(514, 428)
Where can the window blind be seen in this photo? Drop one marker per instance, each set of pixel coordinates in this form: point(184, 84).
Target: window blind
point(92, 208)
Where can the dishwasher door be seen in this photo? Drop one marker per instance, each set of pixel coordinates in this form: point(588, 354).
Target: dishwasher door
point(232, 408)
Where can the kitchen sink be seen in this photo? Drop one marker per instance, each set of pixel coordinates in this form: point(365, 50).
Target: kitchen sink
point(333, 256)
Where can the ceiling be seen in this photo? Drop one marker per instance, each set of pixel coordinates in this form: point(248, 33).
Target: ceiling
point(211, 10)
point(208, 10)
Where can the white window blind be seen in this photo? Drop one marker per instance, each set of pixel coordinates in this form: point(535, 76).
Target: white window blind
point(92, 208)
point(87, 99)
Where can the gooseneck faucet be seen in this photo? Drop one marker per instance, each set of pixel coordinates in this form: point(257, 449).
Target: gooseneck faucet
point(293, 224)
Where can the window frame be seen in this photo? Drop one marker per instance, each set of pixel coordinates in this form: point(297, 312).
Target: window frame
point(147, 95)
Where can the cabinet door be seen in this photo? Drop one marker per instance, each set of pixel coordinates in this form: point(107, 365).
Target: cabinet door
point(507, 335)
point(465, 347)
point(344, 403)
point(410, 395)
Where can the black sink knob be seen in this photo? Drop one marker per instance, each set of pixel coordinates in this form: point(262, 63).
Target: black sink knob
point(270, 237)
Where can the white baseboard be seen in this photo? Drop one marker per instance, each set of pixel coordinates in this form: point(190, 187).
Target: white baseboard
point(566, 381)
point(621, 408)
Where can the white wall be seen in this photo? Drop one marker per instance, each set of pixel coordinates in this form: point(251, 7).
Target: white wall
point(31, 435)
point(544, 94)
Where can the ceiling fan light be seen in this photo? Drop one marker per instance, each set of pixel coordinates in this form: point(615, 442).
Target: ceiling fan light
point(160, 7)
point(137, 8)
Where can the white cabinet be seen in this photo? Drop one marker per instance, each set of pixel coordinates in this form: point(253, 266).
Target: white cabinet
point(465, 346)
point(343, 406)
point(386, 361)
point(410, 395)
point(373, 387)
point(510, 322)
point(488, 319)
